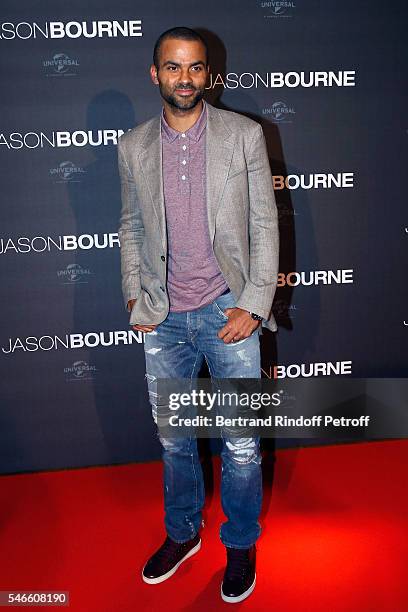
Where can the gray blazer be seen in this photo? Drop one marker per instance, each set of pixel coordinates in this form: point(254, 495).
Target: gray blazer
point(242, 215)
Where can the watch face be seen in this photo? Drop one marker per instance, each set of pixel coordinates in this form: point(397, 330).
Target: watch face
point(256, 317)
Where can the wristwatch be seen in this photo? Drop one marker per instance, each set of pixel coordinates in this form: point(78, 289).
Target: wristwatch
point(256, 317)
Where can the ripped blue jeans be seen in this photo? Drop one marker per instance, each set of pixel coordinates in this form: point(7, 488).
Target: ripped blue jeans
point(176, 348)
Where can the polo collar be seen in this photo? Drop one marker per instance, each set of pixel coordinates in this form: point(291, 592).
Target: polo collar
point(194, 132)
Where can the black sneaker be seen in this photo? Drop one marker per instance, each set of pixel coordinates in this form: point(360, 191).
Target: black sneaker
point(167, 559)
point(240, 577)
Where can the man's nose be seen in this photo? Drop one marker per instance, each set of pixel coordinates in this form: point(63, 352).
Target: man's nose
point(185, 76)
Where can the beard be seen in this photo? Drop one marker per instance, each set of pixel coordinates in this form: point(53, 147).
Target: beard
point(178, 102)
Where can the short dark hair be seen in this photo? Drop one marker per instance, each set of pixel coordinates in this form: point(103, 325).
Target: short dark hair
point(181, 33)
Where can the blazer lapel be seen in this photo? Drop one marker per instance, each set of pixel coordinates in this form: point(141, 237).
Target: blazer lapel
point(219, 151)
point(152, 167)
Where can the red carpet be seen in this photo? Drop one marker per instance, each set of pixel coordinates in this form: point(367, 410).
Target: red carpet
point(334, 535)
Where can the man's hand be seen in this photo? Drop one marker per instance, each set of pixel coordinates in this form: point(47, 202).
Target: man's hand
point(130, 304)
point(144, 328)
point(240, 325)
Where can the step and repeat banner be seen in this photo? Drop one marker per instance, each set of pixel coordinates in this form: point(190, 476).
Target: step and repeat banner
point(326, 82)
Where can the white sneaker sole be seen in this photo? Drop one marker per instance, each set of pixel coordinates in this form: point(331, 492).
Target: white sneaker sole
point(239, 597)
point(174, 569)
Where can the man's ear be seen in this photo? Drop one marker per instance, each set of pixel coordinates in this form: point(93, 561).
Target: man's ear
point(153, 74)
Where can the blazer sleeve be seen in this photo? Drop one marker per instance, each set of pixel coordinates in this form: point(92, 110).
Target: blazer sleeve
point(259, 290)
point(131, 230)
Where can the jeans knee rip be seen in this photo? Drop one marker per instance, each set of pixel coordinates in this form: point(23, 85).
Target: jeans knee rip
point(243, 451)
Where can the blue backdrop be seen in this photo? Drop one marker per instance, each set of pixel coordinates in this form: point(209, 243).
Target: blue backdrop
point(325, 80)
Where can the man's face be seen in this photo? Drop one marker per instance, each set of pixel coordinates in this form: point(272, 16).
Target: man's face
point(182, 73)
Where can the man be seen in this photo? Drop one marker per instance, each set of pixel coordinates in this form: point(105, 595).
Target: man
point(199, 247)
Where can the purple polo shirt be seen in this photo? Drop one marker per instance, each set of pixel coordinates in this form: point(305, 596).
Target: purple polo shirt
point(194, 278)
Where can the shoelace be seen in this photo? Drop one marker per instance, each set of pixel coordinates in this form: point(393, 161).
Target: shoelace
point(168, 549)
point(237, 562)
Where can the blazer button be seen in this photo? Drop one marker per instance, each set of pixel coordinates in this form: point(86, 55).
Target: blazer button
point(163, 258)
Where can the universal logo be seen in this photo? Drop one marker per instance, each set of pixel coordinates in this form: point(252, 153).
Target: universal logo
point(279, 112)
point(80, 371)
point(67, 171)
point(278, 8)
point(60, 65)
point(74, 274)
point(282, 309)
point(287, 399)
point(286, 215)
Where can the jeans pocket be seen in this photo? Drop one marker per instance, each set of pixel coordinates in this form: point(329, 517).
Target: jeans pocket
point(220, 312)
point(223, 301)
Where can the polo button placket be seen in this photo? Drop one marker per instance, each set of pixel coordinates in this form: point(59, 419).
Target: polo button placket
point(184, 177)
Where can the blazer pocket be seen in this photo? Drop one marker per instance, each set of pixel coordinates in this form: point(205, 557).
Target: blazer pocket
point(148, 284)
point(236, 172)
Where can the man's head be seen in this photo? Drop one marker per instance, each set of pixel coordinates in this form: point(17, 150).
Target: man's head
point(180, 67)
